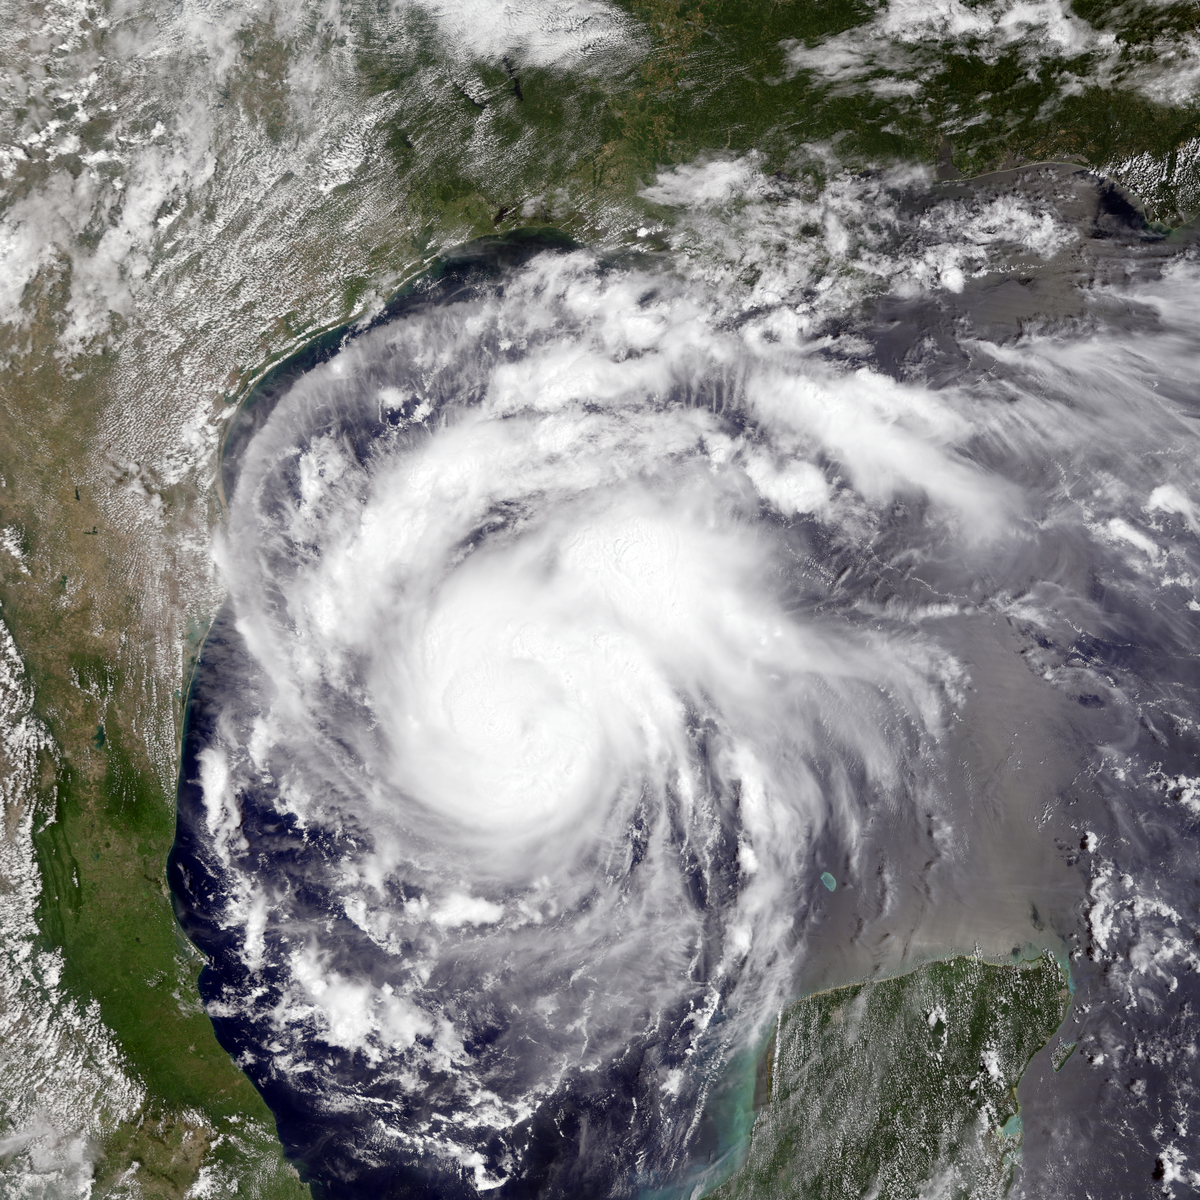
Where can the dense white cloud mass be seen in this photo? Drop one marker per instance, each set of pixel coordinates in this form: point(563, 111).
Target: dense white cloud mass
point(575, 629)
point(576, 625)
point(528, 642)
point(894, 53)
point(559, 34)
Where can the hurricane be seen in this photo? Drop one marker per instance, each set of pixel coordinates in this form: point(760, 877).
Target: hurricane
point(617, 647)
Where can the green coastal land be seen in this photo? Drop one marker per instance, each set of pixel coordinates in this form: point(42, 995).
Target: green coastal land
point(903, 1087)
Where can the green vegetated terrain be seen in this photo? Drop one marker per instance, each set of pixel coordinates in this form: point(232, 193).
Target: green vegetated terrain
point(468, 148)
point(904, 1087)
point(106, 821)
point(491, 145)
point(106, 904)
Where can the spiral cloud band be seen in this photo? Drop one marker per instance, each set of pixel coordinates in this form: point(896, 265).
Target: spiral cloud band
point(573, 631)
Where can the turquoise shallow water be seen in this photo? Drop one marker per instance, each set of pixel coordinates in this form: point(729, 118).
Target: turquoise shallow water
point(730, 1112)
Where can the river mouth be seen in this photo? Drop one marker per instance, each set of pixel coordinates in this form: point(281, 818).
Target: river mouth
point(582, 629)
